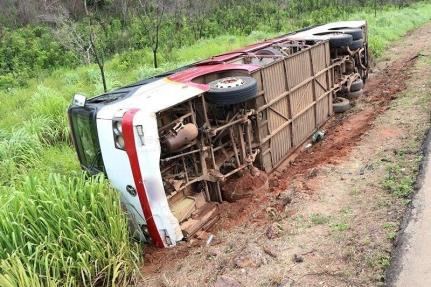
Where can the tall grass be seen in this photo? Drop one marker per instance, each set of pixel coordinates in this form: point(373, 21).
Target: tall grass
point(60, 228)
point(69, 231)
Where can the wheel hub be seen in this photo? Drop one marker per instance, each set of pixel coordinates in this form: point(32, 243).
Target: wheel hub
point(229, 83)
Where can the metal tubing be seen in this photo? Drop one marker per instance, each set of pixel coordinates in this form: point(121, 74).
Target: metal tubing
point(248, 136)
point(242, 143)
point(231, 123)
point(180, 155)
point(235, 149)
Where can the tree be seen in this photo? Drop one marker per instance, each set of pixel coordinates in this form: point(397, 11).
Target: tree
point(153, 17)
point(281, 5)
point(198, 12)
point(98, 47)
point(87, 39)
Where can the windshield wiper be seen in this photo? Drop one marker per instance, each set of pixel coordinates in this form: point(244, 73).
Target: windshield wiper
point(94, 162)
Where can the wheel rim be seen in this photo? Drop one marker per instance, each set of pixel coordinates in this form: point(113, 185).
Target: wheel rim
point(229, 83)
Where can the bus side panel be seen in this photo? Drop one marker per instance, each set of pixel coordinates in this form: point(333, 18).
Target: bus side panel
point(295, 100)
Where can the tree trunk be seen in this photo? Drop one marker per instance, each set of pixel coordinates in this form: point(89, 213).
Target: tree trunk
point(102, 74)
point(155, 58)
point(156, 43)
point(85, 8)
point(375, 8)
point(100, 59)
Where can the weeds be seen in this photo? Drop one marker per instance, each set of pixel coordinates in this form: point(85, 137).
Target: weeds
point(401, 174)
point(380, 260)
point(317, 219)
point(339, 226)
point(391, 229)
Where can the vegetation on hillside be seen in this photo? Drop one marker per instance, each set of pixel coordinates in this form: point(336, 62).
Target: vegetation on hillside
point(39, 37)
point(58, 227)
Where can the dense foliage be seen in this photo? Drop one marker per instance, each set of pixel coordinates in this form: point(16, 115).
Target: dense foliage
point(57, 226)
point(28, 50)
point(61, 35)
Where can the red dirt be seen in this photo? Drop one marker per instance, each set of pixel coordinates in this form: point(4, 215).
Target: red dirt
point(343, 133)
point(245, 186)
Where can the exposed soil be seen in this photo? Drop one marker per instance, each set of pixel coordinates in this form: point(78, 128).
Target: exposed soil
point(245, 186)
point(322, 222)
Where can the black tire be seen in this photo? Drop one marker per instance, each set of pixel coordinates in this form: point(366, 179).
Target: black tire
point(357, 34)
point(354, 95)
point(269, 52)
point(340, 40)
point(341, 105)
point(357, 85)
point(231, 95)
point(358, 44)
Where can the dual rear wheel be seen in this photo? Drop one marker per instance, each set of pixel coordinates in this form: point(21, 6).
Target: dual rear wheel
point(231, 90)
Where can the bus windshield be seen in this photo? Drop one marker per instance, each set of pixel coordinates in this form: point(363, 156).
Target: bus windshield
point(84, 132)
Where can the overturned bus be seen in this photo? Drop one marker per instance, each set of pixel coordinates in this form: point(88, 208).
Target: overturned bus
point(170, 142)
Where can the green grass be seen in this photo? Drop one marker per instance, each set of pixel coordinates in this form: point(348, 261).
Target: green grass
point(341, 222)
point(318, 218)
point(391, 229)
point(401, 174)
point(57, 226)
point(339, 226)
point(392, 24)
point(381, 260)
point(60, 228)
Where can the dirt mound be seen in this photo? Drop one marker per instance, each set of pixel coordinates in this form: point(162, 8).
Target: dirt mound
point(245, 186)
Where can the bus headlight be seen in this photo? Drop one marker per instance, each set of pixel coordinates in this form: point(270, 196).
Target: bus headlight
point(118, 134)
point(119, 142)
point(118, 129)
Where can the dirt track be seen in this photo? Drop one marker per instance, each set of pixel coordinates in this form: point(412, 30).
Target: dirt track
point(334, 232)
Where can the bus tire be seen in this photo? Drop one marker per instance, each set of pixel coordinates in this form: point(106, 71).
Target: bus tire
point(231, 90)
point(340, 40)
point(340, 105)
point(358, 44)
point(357, 85)
point(354, 95)
point(357, 34)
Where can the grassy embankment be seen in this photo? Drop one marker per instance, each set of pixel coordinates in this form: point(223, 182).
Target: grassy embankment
point(59, 228)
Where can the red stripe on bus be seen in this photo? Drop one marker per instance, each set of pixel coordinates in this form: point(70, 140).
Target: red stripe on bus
point(130, 146)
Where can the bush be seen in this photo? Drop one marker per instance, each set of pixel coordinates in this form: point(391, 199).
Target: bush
point(26, 51)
